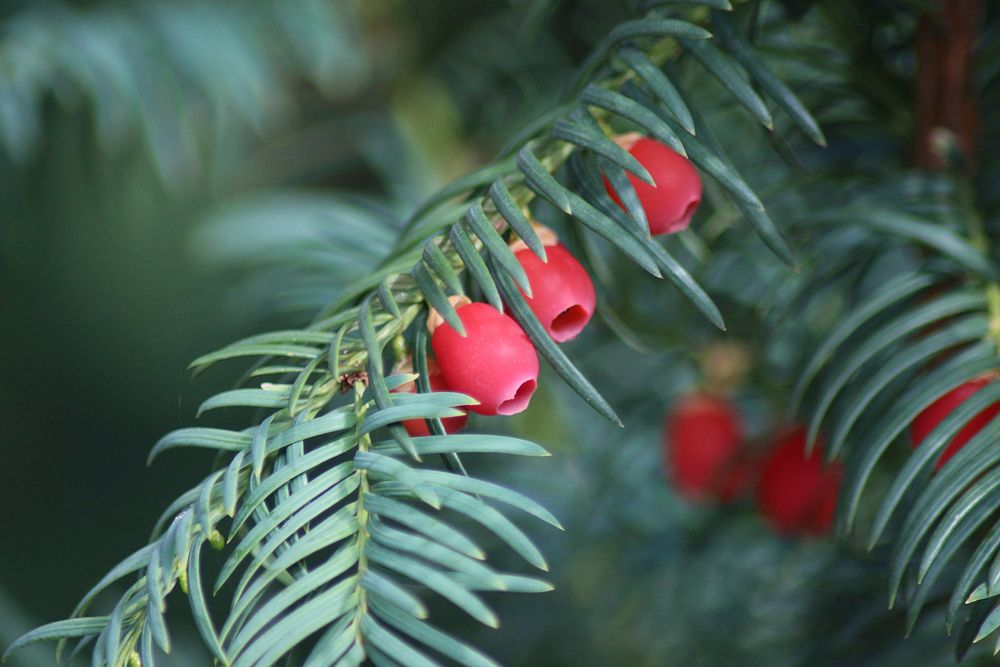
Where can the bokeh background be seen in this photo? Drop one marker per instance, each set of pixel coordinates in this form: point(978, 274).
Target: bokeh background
point(178, 174)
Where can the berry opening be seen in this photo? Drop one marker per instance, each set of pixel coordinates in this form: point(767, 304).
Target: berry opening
point(690, 209)
point(568, 323)
point(520, 400)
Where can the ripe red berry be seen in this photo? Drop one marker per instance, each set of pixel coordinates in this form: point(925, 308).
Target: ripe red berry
point(562, 294)
point(670, 204)
point(418, 427)
point(935, 413)
point(797, 494)
point(494, 362)
point(702, 448)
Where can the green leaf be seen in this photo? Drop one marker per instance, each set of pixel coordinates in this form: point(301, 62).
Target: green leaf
point(623, 187)
point(236, 350)
point(894, 291)
point(433, 528)
point(486, 489)
point(766, 79)
point(386, 299)
point(332, 646)
point(230, 484)
point(431, 637)
point(547, 186)
point(497, 249)
point(277, 605)
point(927, 587)
point(383, 587)
point(983, 494)
point(924, 391)
point(656, 27)
point(209, 438)
point(279, 478)
point(924, 513)
point(389, 468)
point(660, 85)
point(415, 410)
point(436, 297)
point(199, 605)
point(74, 627)
point(409, 544)
point(396, 649)
point(466, 443)
point(435, 580)
point(634, 111)
point(275, 397)
point(436, 260)
point(934, 235)
point(156, 604)
point(511, 212)
point(731, 78)
point(293, 627)
point(133, 563)
point(598, 143)
point(475, 265)
point(885, 336)
point(485, 515)
point(961, 331)
point(376, 376)
point(973, 570)
point(332, 422)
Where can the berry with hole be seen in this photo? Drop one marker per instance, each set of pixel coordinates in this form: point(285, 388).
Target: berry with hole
point(494, 362)
point(562, 294)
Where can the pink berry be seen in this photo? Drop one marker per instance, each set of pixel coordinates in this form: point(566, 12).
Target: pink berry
point(703, 437)
point(797, 494)
point(494, 362)
point(670, 204)
point(562, 294)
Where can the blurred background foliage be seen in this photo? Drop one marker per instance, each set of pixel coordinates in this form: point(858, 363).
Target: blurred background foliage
point(178, 174)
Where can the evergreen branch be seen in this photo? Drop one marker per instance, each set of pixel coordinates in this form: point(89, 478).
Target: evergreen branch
point(328, 523)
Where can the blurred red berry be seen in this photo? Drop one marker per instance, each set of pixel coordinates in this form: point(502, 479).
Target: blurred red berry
point(418, 427)
point(494, 362)
point(703, 439)
point(670, 204)
point(562, 294)
point(935, 413)
point(797, 494)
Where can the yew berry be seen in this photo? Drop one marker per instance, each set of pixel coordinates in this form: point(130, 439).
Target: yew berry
point(494, 362)
point(796, 494)
point(703, 436)
point(562, 294)
point(670, 204)
point(935, 413)
point(418, 427)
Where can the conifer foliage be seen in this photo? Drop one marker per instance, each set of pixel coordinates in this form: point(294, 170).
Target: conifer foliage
point(339, 516)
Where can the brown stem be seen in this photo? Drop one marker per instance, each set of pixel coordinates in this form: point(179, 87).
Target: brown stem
point(946, 36)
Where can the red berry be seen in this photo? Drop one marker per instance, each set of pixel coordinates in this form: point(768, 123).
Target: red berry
point(670, 204)
point(562, 295)
point(418, 427)
point(797, 494)
point(702, 448)
point(494, 362)
point(935, 413)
